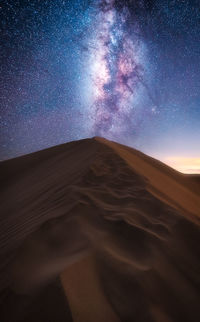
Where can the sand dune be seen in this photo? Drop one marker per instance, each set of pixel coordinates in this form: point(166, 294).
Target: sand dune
point(121, 230)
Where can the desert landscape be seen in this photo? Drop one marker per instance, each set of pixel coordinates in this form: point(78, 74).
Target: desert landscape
point(93, 230)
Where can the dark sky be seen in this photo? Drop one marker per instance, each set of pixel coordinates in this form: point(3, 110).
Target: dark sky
point(126, 70)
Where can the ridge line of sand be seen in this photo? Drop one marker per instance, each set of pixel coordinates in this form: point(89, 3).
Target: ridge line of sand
point(173, 192)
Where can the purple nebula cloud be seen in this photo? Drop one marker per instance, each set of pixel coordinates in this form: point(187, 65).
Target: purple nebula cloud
point(116, 71)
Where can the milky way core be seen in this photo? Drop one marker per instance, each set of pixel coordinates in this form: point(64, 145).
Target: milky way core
point(116, 71)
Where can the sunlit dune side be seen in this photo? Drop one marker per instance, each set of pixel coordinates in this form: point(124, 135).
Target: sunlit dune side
point(166, 184)
point(183, 164)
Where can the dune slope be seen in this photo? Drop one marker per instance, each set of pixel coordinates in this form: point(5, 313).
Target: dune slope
point(135, 217)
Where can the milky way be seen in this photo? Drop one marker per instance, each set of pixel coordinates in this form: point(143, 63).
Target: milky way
point(116, 70)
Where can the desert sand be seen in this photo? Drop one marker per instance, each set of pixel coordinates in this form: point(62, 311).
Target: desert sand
point(93, 230)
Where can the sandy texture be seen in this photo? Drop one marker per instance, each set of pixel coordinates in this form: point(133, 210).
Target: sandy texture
point(134, 217)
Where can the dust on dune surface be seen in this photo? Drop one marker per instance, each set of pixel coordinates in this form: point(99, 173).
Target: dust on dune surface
point(124, 225)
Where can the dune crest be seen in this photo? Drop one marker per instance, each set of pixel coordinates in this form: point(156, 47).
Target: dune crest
point(166, 183)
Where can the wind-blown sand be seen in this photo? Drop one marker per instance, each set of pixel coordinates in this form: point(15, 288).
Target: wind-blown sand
point(97, 231)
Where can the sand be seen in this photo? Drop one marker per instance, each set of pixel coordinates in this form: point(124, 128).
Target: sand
point(114, 233)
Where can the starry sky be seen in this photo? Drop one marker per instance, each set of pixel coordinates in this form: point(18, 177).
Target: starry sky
point(126, 70)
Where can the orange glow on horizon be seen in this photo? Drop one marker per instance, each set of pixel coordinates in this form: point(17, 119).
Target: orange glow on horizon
point(184, 164)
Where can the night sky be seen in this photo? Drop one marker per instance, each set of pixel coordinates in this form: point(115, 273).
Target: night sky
point(125, 70)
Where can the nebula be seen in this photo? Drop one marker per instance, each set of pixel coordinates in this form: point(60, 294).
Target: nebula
point(116, 70)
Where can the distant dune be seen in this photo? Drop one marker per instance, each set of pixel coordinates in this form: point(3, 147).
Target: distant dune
point(93, 231)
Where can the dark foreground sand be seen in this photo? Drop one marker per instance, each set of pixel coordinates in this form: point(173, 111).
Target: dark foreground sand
point(96, 231)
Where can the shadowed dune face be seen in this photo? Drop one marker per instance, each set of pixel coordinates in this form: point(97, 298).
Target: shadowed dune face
point(85, 198)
